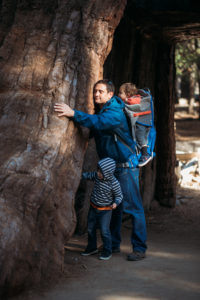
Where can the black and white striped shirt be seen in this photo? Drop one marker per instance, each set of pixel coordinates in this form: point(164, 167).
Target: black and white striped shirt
point(106, 191)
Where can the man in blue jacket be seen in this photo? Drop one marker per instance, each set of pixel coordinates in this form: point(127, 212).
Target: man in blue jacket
point(113, 139)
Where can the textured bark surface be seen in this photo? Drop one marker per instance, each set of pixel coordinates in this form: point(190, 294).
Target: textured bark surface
point(51, 51)
point(165, 188)
point(82, 202)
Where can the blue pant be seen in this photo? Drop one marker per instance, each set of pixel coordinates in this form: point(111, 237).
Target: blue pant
point(101, 218)
point(132, 204)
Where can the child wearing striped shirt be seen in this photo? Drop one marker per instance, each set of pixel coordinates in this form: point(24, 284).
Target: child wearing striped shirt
point(105, 197)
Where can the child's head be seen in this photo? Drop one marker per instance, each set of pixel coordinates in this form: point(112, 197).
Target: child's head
point(127, 90)
point(106, 168)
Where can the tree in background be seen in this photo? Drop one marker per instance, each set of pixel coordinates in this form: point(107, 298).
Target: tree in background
point(187, 60)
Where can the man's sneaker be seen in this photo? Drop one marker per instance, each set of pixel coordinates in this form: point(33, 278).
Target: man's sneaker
point(135, 256)
point(144, 159)
point(115, 250)
point(88, 252)
point(105, 255)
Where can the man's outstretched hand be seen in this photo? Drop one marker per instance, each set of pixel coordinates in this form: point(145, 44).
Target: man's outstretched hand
point(63, 110)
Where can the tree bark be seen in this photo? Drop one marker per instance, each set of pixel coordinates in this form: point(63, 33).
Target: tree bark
point(165, 188)
point(51, 51)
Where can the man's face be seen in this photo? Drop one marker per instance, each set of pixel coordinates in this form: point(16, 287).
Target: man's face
point(101, 95)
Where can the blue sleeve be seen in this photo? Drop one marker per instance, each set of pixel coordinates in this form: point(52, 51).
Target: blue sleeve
point(108, 119)
point(118, 196)
point(89, 175)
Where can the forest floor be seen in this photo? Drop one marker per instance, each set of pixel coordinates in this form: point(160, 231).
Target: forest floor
point(171, 270)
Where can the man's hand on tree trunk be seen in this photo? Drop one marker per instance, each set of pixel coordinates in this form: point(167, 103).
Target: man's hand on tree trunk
point(63, 110)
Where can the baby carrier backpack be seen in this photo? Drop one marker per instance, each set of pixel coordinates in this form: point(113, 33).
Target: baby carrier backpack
point(143, 113)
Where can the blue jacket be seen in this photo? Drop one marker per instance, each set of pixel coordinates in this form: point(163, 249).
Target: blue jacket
point(111, 131)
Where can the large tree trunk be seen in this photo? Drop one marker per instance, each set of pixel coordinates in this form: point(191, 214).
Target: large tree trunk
point(165, 147)
point(51, 51)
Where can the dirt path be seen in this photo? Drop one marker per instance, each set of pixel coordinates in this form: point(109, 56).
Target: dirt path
point(170, 271)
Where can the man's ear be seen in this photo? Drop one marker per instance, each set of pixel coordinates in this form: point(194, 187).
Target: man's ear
point(111, 94)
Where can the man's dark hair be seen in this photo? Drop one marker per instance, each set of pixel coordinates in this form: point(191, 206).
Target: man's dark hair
point(109, 84)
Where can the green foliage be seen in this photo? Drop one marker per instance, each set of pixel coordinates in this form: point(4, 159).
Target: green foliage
point(187, 56)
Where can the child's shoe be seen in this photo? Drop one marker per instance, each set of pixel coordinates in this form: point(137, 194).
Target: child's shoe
point(144, 159)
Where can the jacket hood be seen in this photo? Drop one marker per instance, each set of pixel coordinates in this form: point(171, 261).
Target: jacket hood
point(114, 102)
point(107, 166)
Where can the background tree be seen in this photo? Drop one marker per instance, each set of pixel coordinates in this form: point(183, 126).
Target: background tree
point(187, 59)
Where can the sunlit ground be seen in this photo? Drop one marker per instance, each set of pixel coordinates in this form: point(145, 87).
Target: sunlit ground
point(187, 132)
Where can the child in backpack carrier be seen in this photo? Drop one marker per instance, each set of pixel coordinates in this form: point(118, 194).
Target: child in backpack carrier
point(138, 108)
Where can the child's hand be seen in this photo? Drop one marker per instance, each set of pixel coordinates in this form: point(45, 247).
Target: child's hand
point(114, 205)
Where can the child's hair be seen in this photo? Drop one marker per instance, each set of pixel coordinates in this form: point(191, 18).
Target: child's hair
point(129, 89)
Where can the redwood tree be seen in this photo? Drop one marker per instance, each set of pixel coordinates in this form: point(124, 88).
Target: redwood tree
point(50, 51)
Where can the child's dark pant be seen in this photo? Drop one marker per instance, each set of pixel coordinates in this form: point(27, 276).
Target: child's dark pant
point(101, 218)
